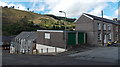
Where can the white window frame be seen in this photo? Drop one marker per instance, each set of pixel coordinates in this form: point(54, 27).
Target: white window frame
point(99, 26)
point(104, 26)
point(117, 28)
point(117, 36)
point(109, 27)
point(110, 36)
point(99, 36)
point(47, 35)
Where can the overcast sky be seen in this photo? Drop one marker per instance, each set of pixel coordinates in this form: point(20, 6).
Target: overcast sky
point(73, 8)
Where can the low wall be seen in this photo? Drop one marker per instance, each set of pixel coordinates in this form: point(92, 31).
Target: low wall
point(48, 49)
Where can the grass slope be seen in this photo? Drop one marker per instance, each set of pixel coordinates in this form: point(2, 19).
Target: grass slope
point(15, 21)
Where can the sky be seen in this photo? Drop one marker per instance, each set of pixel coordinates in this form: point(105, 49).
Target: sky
point(73, 8)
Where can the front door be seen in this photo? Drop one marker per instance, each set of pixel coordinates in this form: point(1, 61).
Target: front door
point(105, 39)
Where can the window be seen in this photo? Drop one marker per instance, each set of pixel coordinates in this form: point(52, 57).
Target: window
point(47, 35)
point(117, 37)
point(109, 36)
point(18, 41)
point(99, 36)
point(109, 27)
point(104, 27)
point(105, 38)
point(99, 26)
point(117, 28)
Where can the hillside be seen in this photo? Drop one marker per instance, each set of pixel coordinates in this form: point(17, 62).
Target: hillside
point(15, 21)
point(61, 18)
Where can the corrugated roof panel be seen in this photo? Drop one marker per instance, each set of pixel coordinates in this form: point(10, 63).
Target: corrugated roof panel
point(27, 35)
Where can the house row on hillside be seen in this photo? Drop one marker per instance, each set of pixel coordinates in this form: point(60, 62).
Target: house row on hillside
point(99, 30)
point(89, 29)
point(6, 41)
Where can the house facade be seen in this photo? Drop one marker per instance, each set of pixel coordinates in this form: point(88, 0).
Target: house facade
point(99, 30)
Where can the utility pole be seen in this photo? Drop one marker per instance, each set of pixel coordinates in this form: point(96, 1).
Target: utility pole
point(102, 29)
point(118, 23)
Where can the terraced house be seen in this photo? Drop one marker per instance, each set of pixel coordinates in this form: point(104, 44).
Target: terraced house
point(99, 30)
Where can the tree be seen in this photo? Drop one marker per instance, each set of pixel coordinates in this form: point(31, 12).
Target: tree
point(13, 7)
point(5, 6)
point(28, 9)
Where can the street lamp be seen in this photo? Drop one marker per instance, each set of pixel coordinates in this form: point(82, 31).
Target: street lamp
point(65, 29)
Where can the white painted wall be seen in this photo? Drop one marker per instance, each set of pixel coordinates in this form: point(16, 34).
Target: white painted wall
point(50, 49)
point(12, 49)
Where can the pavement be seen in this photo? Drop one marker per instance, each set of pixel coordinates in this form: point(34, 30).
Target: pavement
point(102, 54)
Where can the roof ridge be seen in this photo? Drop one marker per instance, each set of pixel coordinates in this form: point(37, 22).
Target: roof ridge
point(97, 16)
point(100, 18)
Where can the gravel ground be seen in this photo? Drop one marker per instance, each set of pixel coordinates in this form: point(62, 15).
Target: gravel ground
point(77, 49)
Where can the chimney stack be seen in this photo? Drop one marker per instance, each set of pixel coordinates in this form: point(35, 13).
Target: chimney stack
point(114, 19)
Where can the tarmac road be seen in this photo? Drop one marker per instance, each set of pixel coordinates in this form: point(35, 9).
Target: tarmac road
point(46, 60)
point(21, 59)
point(102, 54)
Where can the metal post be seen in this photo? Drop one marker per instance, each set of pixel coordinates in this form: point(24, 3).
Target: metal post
point(119, 23)
point(65, 30)
point(55, 50)
point(47, 50)
point(41, 50)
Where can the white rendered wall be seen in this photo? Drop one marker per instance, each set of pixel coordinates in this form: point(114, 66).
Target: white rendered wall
point(48, 49)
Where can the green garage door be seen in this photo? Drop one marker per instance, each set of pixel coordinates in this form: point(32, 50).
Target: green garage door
point(81, 37)
point(71, 39)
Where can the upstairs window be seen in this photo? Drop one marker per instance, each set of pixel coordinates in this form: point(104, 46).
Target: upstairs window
point(99, 26)
point(117, 28)
point(104, 26)
point(109, 36)
point(109, 27)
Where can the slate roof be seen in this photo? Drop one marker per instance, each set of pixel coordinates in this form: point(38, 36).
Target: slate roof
point(102, 19)
point(27, 35)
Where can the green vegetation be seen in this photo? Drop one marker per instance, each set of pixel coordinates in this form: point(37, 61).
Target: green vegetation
point(61, 18)
point(15, 21)
point(55, 25)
